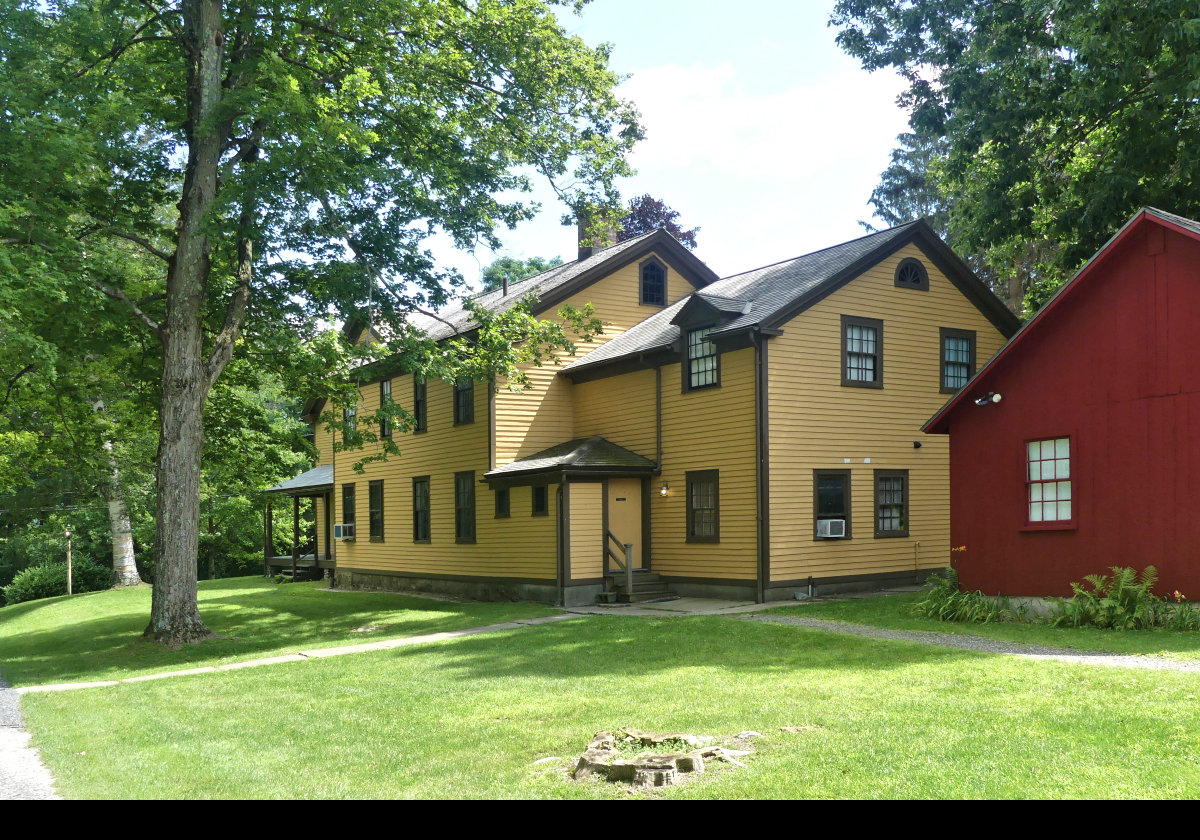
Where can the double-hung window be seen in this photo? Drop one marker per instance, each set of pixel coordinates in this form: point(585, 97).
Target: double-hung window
point(958, 358)
point(891, 503)
point(703, 368)
point(419, 402)
point(464, 507)
point(420, 486)
point(375, 509)
point(1048, 481)
point(502, 503)
point(348, 504)
point(385, 402)
point(831, 504)
point(862, 352)
point(703, 508)
point(464, 401)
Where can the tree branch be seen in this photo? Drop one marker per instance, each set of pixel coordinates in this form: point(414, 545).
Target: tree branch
point(235, 312)
point(117, 294)
point(377, 275)
point(13, 381)
point(140, 240)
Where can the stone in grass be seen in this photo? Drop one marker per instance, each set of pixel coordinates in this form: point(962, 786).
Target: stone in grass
point(808, 727)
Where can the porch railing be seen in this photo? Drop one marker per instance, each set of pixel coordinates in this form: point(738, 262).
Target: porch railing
point(624, 563)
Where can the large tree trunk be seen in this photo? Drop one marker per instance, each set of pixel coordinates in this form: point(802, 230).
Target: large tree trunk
point(174, 613)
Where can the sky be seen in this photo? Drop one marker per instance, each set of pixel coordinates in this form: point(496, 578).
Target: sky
point(759, 129)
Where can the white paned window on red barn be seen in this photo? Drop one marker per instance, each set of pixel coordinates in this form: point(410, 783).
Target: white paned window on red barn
point(1048, 480)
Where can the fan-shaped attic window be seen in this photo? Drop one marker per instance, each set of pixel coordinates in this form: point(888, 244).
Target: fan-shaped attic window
point(911, 274)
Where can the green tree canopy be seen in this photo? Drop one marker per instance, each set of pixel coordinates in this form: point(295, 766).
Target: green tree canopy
point(1060, 119)
point(280, 163)
point(511, 269)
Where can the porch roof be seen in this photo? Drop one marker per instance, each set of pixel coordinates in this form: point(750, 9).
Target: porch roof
point(314, 481)
point(582, 455)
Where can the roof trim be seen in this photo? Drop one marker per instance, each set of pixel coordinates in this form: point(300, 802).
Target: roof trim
point(938, 423)
point(955, 270)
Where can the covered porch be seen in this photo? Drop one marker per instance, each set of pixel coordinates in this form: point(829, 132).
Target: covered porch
point(604, 517)
point(316, 484)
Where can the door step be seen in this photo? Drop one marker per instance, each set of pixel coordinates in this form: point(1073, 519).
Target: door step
point(647, 587)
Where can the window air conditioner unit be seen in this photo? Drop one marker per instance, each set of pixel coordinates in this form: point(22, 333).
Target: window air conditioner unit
point(831, 528)
point(344, 531)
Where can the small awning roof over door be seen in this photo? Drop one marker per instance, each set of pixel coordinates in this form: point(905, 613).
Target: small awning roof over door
point(315, 481)
point(579, 457)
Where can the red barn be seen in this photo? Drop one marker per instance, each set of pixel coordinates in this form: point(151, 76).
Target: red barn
point(1077, 447)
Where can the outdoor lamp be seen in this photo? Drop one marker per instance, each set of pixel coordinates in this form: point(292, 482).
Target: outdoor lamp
point(665, 490)
point(989, 397)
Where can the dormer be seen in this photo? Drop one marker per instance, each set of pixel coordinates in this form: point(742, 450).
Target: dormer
point(697, 319)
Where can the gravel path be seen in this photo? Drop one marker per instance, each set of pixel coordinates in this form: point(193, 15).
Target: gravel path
point(985, 645)
point(22, 774)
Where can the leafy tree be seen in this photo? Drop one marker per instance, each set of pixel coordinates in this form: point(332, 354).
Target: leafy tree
point(646, 214)
point(1060, 119)
point(279, 163)
point(907, 189)
point(512, 269)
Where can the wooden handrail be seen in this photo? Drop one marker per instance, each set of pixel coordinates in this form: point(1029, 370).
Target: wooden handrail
point(627, 564)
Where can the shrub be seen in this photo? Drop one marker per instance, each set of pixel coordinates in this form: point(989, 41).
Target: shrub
point(1124, 601)
point(47, 580)
point(944, 600)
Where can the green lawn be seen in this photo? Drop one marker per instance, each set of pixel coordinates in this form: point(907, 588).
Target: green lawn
point(98, 635)
point(469, 717)
point(893, 611)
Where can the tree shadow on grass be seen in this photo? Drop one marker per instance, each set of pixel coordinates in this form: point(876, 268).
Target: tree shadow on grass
point(250, 625)
point(630, 646)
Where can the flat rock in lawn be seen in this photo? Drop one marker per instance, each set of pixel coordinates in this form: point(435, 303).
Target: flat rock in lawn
point(795, 729)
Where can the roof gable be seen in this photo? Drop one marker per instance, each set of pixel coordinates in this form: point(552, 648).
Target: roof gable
point(766, 298)
point(939, 423)
point(555, 285)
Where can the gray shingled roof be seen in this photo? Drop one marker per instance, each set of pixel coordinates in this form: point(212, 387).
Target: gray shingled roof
point(318, 478)
point(593, 453)
point(1182, 221)
point(458, 319)
point(769, 290)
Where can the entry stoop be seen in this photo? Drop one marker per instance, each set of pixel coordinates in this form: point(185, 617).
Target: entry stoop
point(647, 586)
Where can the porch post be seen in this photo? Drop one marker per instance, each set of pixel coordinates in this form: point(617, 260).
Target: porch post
point(268, 541)
point(295, 535)
point(328, 524)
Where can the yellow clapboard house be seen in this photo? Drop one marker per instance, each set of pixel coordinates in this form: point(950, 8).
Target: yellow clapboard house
point(749, 437)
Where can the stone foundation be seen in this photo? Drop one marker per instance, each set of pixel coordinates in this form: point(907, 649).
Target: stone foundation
point(475, 590)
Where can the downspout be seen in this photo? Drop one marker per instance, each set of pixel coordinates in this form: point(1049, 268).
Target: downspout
point(762, 466)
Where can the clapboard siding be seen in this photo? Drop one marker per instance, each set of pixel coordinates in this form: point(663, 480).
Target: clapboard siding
point(529, 421)
point(439, 453)
point(816, 423)
point(621, 409)
point(709, 429)
point(587, 529)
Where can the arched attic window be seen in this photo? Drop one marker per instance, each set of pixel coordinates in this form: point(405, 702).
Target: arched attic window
point(911, 274)
point(653, 284)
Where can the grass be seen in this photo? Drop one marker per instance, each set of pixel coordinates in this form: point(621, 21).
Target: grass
point(470, 717)
point(97, 635)
point(894, 612)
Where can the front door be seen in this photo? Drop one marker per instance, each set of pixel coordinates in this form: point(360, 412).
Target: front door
point(625, 515)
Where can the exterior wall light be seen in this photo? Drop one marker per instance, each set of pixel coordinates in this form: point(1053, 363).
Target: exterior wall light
point(665, 490)
point(989, 397)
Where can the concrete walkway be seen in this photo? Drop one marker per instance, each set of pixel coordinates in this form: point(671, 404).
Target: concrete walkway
point(987, 645)
point(22, 774)
point(303, 656)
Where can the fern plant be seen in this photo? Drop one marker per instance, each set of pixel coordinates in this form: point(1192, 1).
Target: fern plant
point(1124, 600)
